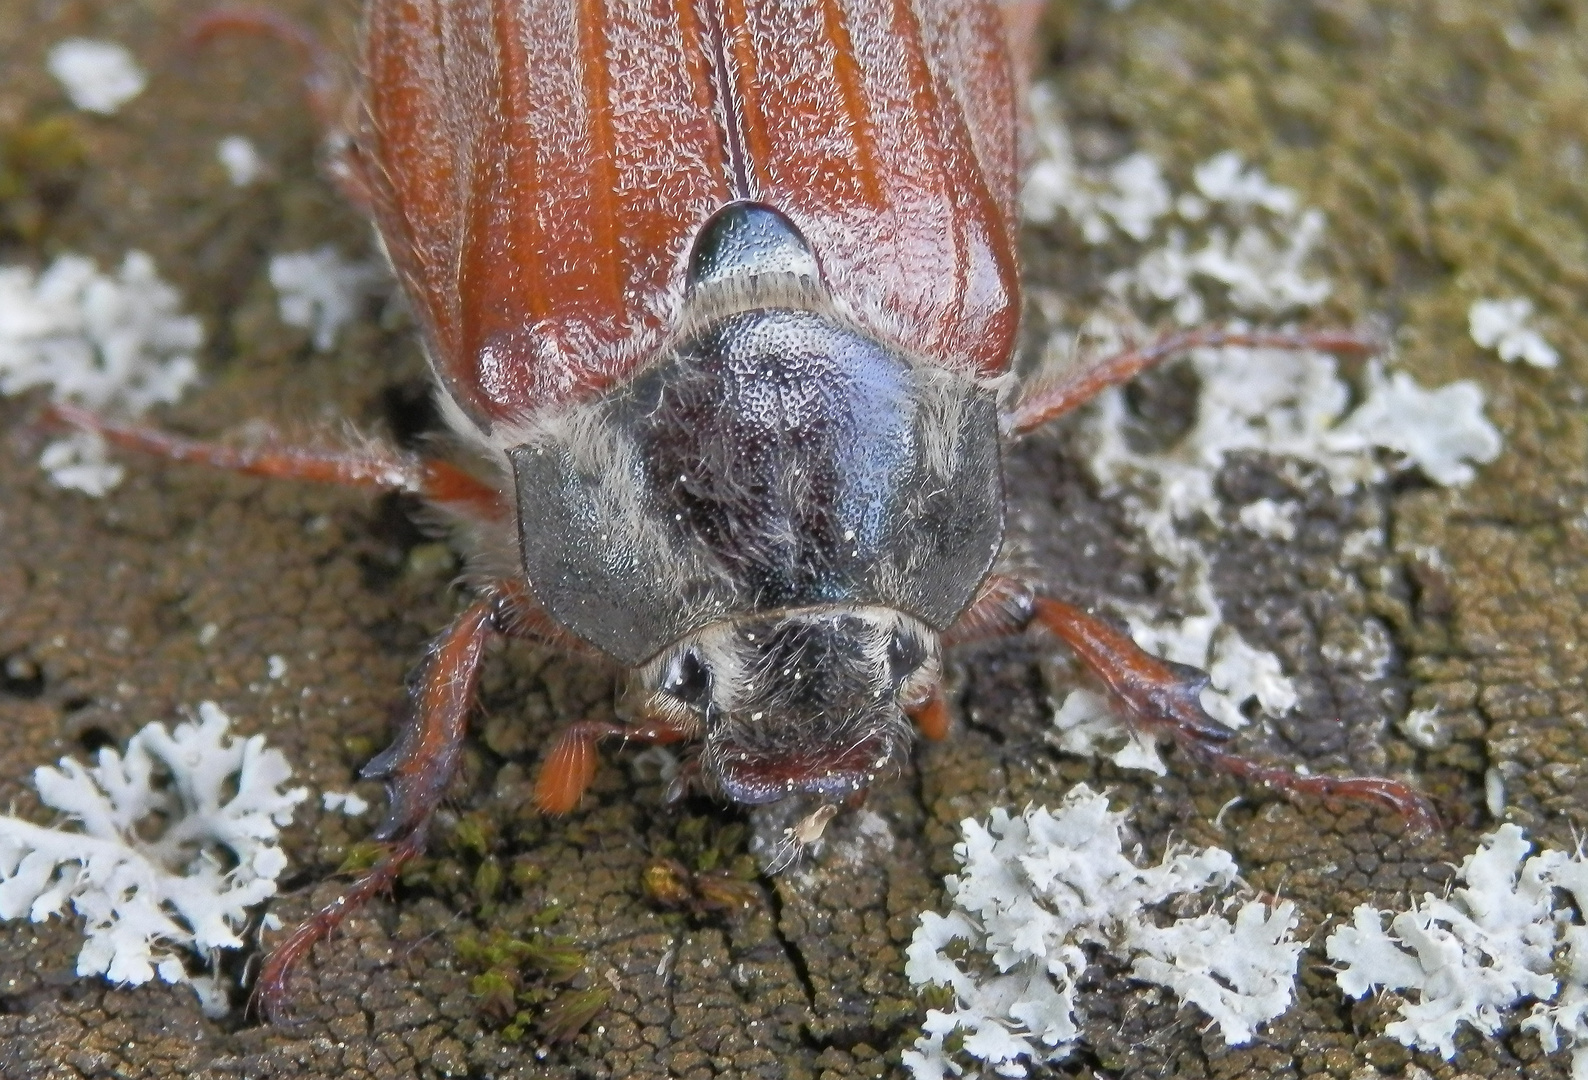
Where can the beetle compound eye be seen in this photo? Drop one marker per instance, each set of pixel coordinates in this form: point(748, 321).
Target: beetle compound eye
point(688, 680)
point(906, 653)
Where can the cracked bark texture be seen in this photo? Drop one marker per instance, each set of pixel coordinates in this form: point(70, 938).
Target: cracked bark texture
point(1448, 142)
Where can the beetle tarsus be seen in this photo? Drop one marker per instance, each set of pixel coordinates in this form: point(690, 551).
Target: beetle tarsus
point(270, 990)
point(1411, 805)
point(1051, 400)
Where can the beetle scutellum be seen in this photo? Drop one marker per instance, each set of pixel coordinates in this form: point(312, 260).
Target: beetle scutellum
point(723, 298)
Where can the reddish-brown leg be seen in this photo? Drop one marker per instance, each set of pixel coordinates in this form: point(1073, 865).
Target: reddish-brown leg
point(417, 769)
point(1052, 400)
point(371, 465)
point(420, 765)
point(325, 85)
point(1164, 697)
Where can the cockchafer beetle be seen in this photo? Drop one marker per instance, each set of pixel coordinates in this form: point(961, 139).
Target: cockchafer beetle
point(722, 295)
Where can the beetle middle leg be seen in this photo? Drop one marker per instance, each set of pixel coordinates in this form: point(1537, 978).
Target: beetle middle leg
point(1164, 698)
point(371, 465)
point(1051, 400)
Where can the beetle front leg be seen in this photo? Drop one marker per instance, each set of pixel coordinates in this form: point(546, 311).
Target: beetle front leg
point(1164, 698)
point(417, 769)
point(1051, 400)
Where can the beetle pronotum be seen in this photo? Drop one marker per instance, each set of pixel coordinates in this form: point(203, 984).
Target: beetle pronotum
point(722, 297)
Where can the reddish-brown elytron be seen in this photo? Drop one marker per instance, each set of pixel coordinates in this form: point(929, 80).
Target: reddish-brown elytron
point(717, 292)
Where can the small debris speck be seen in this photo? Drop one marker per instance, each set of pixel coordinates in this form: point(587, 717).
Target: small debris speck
point(240, 159)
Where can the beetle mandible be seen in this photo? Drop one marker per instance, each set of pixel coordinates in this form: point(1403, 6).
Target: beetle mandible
point(722, 296)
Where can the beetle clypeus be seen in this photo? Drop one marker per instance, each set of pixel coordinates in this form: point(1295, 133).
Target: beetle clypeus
point(722, 297)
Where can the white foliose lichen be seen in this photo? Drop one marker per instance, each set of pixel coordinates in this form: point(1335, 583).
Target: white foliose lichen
point(1512, 931)
point(1086, 725)
point(112, 342)
point(1038, 894)
point(1239, 246)
point(344, 802)
point(321, 291)
point(1501, 325)
point(99, 76)
point(165, 849)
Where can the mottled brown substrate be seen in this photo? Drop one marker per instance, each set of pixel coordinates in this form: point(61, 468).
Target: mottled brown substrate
point(1446, 141)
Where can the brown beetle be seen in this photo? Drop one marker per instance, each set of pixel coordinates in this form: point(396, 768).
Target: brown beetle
point(723, 296)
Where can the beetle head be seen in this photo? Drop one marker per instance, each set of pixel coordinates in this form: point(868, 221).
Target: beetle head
point(807, 701)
